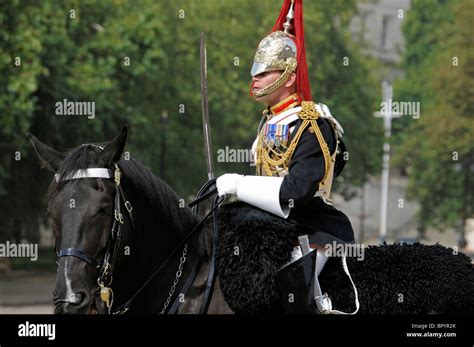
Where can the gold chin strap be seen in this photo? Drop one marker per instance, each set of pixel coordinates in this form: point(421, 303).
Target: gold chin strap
point(290, 67)
point(272, 163)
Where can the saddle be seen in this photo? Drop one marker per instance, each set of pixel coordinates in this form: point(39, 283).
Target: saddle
point(253, 246)
point(253, 263)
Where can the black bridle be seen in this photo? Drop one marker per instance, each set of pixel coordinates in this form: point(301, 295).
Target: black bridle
point(106, 265)
point(74, 252)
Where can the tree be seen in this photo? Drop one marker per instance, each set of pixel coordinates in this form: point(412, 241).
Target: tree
point(139, 60)
point(437, 150)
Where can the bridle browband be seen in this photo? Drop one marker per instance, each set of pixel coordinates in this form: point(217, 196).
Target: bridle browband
point(85, 173)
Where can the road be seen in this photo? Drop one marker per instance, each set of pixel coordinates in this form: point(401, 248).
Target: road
point(23, 292)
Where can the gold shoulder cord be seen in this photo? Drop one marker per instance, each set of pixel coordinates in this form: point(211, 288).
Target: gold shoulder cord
point(270, 165)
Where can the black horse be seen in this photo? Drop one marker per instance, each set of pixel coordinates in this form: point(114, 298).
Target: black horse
point(391, 279)
point(82, 214)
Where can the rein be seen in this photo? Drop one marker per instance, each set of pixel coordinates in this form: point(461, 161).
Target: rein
point(125, 307)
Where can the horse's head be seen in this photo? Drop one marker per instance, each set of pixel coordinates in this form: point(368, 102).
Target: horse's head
point(81, 204)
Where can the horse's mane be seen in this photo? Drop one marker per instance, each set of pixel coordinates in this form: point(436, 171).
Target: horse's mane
point(160, 197)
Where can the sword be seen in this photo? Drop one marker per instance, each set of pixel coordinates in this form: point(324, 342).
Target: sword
point(205, 109)
point(206, 127)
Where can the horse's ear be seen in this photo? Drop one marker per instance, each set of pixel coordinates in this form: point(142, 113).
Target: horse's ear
point(48, 156)
point(114, 149)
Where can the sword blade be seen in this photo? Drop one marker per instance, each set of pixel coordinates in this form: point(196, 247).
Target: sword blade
point(206, 127)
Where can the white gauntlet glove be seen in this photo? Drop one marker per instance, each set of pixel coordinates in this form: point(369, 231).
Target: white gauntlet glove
point(227, 184)
point(260, 191)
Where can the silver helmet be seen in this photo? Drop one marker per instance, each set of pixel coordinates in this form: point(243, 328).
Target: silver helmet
point(276, 52)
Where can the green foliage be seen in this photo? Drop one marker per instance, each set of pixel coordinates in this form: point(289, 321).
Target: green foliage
point(79, 51)
point(437, 150)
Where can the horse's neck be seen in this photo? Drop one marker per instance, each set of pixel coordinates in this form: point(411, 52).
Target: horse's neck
point(159, 229)
point(152, 240)
point(166, 234)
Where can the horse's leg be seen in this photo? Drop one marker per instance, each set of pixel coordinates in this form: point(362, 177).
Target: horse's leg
point(195, 296)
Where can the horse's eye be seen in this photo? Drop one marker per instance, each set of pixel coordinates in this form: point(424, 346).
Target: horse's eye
point(102, 211)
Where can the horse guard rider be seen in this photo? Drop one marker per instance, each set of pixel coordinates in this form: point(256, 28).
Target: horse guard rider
point(298, 150)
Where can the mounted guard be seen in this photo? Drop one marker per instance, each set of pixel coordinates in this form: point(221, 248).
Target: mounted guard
point(298, 151)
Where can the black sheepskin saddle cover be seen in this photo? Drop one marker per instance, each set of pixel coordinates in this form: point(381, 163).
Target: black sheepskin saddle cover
point(253, 246)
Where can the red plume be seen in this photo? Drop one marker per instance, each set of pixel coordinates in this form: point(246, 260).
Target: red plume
point(302, 83)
